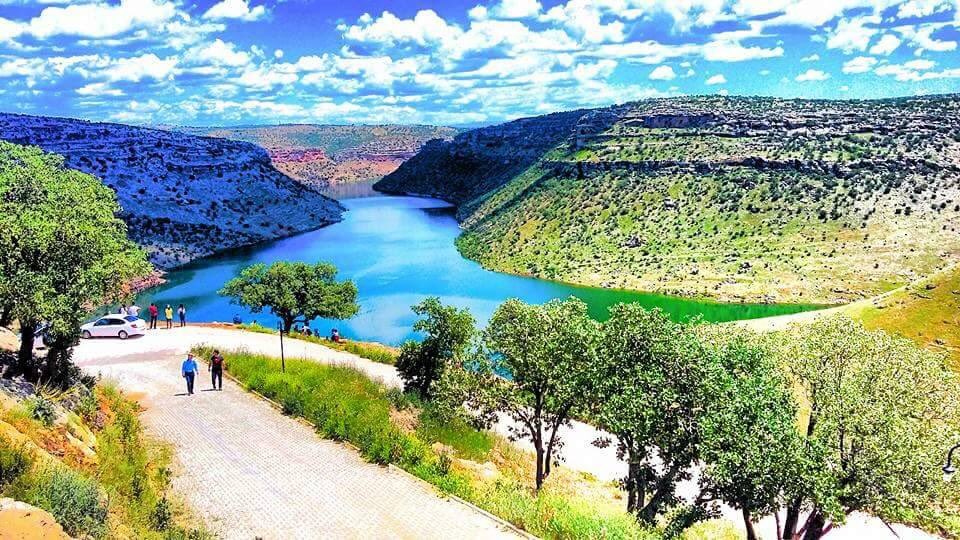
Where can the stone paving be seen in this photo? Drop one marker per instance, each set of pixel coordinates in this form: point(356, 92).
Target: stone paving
point(251, 472)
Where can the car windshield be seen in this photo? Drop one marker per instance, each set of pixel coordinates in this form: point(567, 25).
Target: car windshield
point(131, 318)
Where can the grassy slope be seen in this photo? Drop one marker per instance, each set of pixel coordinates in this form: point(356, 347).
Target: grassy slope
point(927, 312)
point(851, 199)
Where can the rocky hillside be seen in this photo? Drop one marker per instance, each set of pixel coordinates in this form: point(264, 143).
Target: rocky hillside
point(731, 198)
point(183, 196)
point(322, 155)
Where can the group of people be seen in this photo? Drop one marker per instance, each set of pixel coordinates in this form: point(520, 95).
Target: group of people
point(134, 310)
point(189, 371)
point(307, 331)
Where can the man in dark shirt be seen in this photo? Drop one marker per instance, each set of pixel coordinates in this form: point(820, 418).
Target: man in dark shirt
point(216, 370)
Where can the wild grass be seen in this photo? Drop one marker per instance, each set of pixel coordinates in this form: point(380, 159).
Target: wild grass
point(375, 352)
point(390, 427)
point(120, 493)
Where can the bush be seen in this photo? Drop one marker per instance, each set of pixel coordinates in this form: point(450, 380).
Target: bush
point(72, 499)
point(42, 410)
point(15, 461)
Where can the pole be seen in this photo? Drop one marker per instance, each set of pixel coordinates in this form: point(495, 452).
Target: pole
point(283, 362)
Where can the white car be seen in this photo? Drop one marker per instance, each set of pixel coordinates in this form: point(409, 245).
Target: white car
point(114, 325)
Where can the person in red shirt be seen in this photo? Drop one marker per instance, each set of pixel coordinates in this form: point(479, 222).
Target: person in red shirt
point(216, 370)
point(154, 313)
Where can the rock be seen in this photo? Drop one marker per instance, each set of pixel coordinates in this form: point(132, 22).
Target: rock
point(21, 521)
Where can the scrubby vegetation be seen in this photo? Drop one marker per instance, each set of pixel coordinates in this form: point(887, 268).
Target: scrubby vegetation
point(731, 198)
point(390, 427)
point(93, 468)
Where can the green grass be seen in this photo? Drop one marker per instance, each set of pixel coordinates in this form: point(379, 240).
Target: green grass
point(375, 352)
point(344, 404)
point(119, 494)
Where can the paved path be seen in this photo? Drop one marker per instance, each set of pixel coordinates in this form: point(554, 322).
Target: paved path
point(578, 451)
point(252, 472)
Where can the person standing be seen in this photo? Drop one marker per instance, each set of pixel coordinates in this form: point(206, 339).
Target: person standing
point(182, 312)
point(154, 315)
point(189, 371)
point(168, 313)
point(133, 310)
point(216, 370)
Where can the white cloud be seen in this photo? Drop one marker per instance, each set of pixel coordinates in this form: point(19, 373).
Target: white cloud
point(717, 79)
point(278, 54)
point(812, 58)
point(812, 75)
point(923, 8)
point(99, 89)
point(860, 64)
point(886, 45)
point(853, 34)
point(916, 71)
point(921, 36)
point(99, 20)
point(585, 19)
point(218, 53)
point(732, 51)
point(137, 68)
point(235, 9)
point(516, 9)
point(663, 73)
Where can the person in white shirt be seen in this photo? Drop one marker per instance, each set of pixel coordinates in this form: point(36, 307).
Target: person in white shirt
point(133, 310)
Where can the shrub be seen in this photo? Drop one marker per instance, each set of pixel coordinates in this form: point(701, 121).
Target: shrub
point(72, 499)
point(42, 410)
point(15, 461)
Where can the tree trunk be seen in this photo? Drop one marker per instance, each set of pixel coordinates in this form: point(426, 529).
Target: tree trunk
point(815, 525)
point(751, 533)
point(25, 354)
point(791, 521)
point(648, 513)
point(538, 446)
point(6, 316)
point(634, 484)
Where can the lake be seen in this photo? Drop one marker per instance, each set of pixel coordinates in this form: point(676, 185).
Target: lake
point(400, 250)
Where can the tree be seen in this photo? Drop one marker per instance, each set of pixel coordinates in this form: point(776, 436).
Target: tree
point(62, 250)
point(750, 446)
point(647, 390)
point(882, 413)
point(294, 292)
point(544, 351)
point(448, 330)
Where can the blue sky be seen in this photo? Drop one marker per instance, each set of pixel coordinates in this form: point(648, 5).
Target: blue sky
point(218, 62)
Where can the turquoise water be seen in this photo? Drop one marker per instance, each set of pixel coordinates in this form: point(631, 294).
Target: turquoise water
point(399, 250)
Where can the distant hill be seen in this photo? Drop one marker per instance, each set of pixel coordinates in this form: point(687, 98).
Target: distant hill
point(731, 198)
point(325, 155)
point(183, 196)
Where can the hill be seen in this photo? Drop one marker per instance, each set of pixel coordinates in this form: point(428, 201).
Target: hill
point(325, 155)
point(183, 196)
point(731, 198)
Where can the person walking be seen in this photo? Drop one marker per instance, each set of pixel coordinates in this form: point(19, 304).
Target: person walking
point(189, 371)
point(168, 313)
point(216, 370)
point(154, 315)
point(182, 312)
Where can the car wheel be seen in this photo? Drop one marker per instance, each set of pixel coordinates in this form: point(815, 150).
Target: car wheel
point(86, 334)
point(122, 334)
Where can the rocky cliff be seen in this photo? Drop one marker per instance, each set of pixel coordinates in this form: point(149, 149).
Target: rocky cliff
point(183, 196)
point(732, 198)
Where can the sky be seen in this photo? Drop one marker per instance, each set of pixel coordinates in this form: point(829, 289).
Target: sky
point(454, 62)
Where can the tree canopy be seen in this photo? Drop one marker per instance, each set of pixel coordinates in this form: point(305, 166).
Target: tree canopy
point(294, 292)
point(448, 330)
point(62, 250)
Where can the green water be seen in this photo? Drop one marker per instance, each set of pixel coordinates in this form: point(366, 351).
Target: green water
point(400, 250)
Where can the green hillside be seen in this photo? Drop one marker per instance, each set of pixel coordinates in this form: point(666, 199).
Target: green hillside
point(730, 198)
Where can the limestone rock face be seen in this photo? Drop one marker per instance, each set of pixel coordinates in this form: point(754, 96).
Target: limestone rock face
point(183, 196)
point(21, 521)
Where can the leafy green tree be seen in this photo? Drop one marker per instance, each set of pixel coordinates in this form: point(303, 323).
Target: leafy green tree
point(62, 250)
point(546, 352)
point(882, 413)
point(750, 446)
point(448, 330)
point(647, 390)
point(294, 292)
